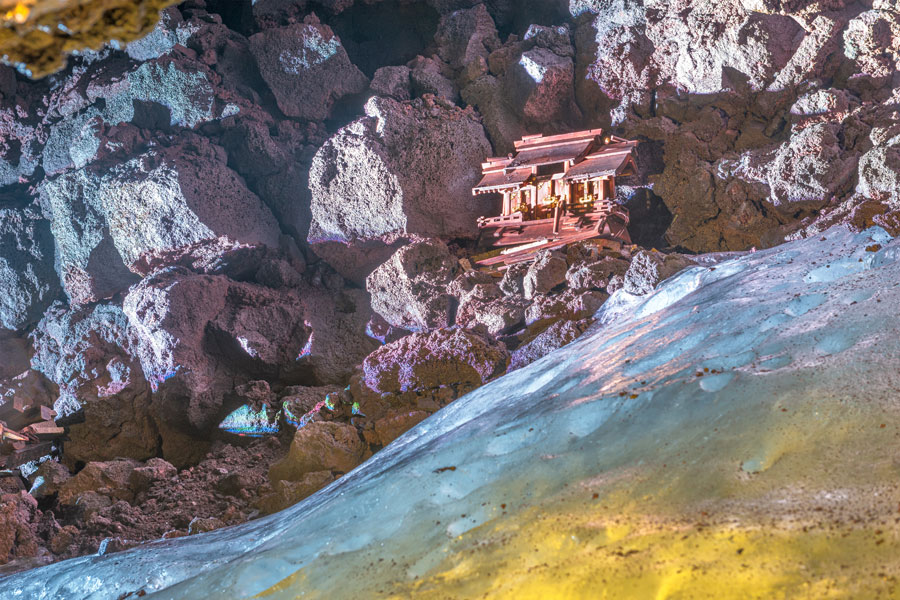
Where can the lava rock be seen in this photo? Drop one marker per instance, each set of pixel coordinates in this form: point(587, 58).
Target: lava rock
point(112, 222)
point(28, 282)
point(392, 82)
point(410, 290)
point(405, 169)
point(546, 272)
point(648, 269)
point(552, 338)
point(424, 361)
point(307, 69)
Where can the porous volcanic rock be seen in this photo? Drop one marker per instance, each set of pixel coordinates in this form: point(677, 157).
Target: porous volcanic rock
point(404, 169)
point(648, 269)
point(199, 335)
point(111, 222)
point(307, 68)
point(424, 361)
point(410, 290)
point(546, 272)
point(552, 338)
point(28, 282)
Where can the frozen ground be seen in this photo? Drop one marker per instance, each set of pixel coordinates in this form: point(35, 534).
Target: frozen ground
point(733, 435)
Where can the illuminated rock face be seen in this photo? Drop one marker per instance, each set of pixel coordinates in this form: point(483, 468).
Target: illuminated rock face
point(37, 35)
point(731, 435)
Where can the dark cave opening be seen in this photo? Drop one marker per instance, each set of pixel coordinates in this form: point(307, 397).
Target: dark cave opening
point(388, 33)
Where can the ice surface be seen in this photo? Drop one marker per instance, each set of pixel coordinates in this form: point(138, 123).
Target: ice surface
point(733, 434)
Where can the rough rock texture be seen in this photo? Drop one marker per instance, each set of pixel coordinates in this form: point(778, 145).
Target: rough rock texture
point(197, 332)
point(410, 290)
point(546, 272)
point(307, 69)
point(405, 169)
point(113, 222)
point(430, 360)
point(27, 282)
point(553, 337)
point(648, 269)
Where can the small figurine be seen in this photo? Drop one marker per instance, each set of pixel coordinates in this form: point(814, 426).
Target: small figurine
point(556, 190)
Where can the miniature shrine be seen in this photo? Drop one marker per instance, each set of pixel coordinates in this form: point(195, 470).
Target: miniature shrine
point(556, 190)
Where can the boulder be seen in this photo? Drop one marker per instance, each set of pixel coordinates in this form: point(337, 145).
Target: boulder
point(114, 221)
point(595, 275)
point(28, 282)
point(392, 82)
point(111, 478)
point(339, 338)
point(552, 338)
point(464, 36)
point(91, 354)
point(410, 290)
point(424, 361)
point(200, 335)
point(428, 76)
point(541, 87)
point(649, 269)
point(546, 272)
point(19, 516)
point(810, 168)
point(320, 446)
point(155, 470)
point(406, 169)
point(307, 69)
point(513, 282)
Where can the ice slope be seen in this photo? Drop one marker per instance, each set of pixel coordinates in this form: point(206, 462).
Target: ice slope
point(734, 435)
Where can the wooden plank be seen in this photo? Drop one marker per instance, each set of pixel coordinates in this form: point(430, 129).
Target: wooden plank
point(28, 454)
point(46, 430)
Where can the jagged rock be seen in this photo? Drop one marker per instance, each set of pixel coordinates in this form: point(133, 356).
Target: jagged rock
point(869, 40)
point(49, 479)
point(811, 168)
point(503, 127)
point(307, 69)
point(405, 169)
point(648, 269)
point(15, 354)
point(546, 272)
point(91, 355)
point(573, 305)
point(28, 283)
point(320, 446)
point(180, 317)
point(464, 36)
point(18, 517)
point(388, 429)
point(410, 290)
point(393, 82)
point(595, 275)
point(424, 361)
point(109, 478)
point(141, 478)
point(169, 31)
point(552, 338)
point(540, 86)
point(427, 77)
point(513, 282)
point(338, 341)
point(878, 173)
point(114, 221)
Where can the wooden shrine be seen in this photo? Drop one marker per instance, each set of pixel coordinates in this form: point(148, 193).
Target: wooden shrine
point(556, 190)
